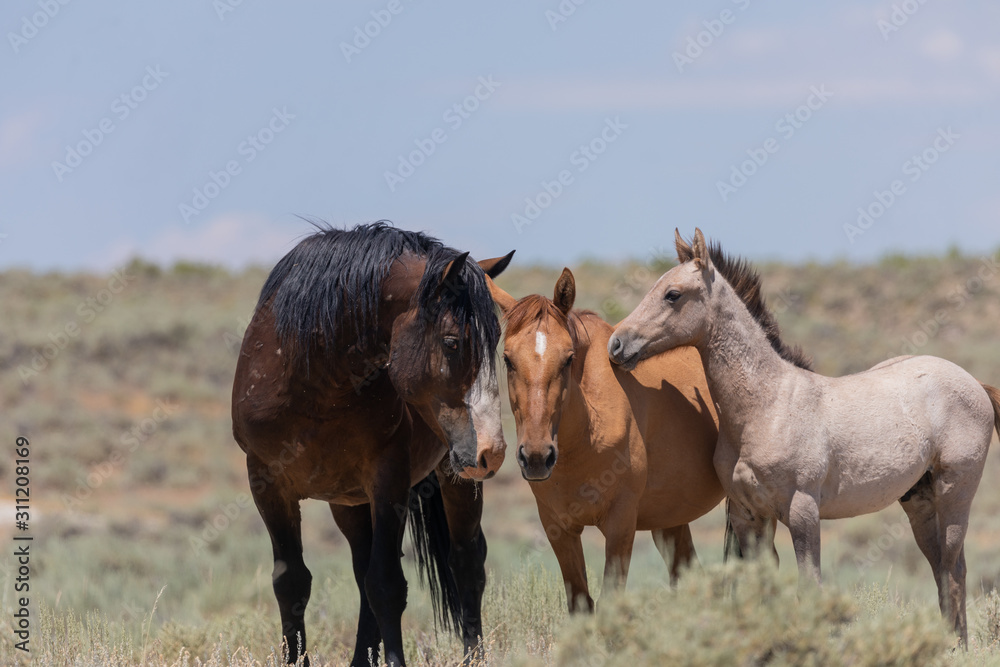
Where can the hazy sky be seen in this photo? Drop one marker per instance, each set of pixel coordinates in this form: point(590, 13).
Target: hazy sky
point(202, 130)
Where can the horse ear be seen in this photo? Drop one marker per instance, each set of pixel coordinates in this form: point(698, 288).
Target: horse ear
point(700, 249)
point(565, 292)
point(452, 273)
point(501, 298)
point(494, 267)
point(684, 252)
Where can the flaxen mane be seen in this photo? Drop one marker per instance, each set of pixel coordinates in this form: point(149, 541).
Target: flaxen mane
point(745, 280)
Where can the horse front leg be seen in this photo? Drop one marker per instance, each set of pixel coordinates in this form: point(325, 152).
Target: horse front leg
point(384, 583)
point(463, 506)
point(803, 524)
point(564, 537)
point(754, 531)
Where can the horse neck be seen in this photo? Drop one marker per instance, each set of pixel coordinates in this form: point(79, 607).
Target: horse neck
point(575, 422)
point(743, 370)
point(578, 413)
point(398, 289)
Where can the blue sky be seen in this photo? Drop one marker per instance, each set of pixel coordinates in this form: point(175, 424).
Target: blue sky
point(587, 130)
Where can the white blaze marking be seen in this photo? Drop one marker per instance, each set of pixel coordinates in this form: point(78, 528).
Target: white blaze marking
point(483, 400)
point(540, 343)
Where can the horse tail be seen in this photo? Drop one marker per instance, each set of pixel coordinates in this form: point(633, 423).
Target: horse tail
point(429, 532)
point(994, 395)
point(731, 547)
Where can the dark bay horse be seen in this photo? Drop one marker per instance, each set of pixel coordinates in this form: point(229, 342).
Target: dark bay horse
point(602, 447)
point(368, 365)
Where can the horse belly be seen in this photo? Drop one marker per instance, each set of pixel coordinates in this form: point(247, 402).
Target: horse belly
point(674, 499)
point(862, 489)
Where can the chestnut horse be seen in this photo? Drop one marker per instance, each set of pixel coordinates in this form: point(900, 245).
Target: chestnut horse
point(600, 447)
point(800, 447)
point(367, 365)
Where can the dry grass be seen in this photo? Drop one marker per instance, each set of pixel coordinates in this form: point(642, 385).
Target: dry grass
point(743, 614)
point(113, 522)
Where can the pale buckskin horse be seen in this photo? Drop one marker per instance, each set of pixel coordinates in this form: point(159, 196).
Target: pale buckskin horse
point(601, 447)
point(368, 365)
point(799, 447)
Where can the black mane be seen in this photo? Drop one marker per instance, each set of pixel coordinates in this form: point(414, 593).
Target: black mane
point(329, 286)
point(745, 281)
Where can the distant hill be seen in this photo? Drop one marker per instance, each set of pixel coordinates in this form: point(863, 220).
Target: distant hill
point(83, 356)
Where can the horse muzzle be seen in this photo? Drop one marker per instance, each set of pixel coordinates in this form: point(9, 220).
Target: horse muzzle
point(620, 355)
point(537, 462)
point(488, 462)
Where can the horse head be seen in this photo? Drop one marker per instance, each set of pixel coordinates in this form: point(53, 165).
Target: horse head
point(539, 349)
point(442, 361)
point(673, 312)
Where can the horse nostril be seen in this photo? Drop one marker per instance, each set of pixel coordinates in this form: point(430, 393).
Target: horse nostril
point(550, 460)
point(615, 346)
point(482, 461)
point(522, 460)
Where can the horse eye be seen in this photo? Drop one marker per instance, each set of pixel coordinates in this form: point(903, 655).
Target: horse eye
point(672, 296)
point(508, 363)
point(450, 342)
point(569, 360)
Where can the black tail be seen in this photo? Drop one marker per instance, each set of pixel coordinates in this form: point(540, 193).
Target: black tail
point(732, 545)
point(429, 530)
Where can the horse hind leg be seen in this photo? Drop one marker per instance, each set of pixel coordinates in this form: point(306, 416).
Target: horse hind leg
point(921, 510)
point(954, 501)
point(291, 578)
point(356, 525)
point(385, 584)
point(676, 548)
point(939, 517)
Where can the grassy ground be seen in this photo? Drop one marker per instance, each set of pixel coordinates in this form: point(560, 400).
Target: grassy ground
point(123, 388)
